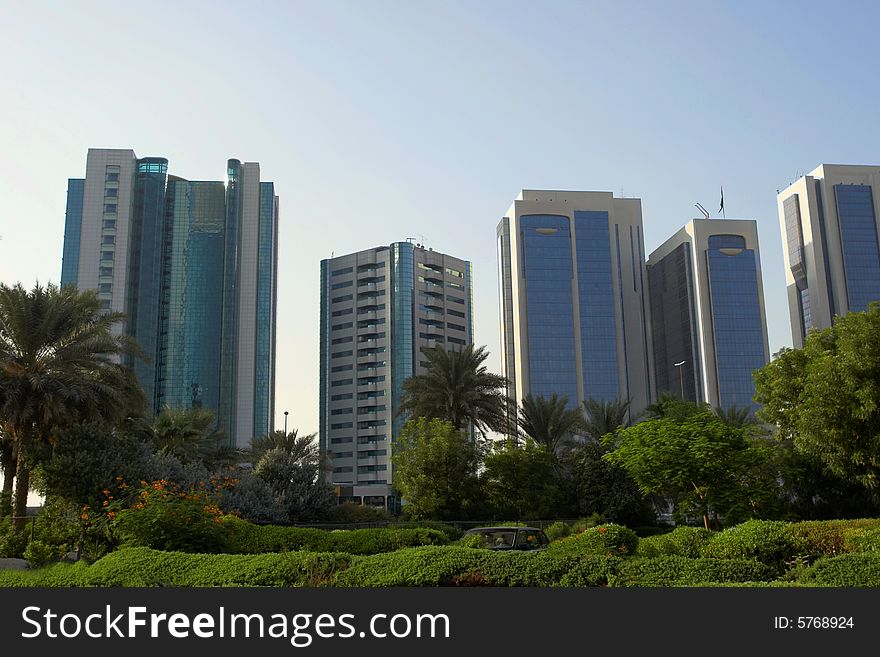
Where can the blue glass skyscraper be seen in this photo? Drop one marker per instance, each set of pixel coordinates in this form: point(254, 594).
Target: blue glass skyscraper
point(829, 220)
point(193, 265)
point(573, 302)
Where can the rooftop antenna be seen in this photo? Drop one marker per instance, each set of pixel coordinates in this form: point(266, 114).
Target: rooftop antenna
point(702, 210)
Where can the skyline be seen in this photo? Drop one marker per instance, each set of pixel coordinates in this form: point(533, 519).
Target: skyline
point(374, 129)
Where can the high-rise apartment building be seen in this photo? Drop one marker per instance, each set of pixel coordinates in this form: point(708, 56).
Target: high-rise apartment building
point(193, 265)
point(573, 302)
point(379, 309)
point(829, 237)
point(708, 322)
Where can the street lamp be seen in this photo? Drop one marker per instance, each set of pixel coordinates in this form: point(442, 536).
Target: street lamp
point(285, 423)
point(680, 376)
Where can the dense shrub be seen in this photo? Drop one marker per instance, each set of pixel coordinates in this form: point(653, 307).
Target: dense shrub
point(165, 518)
point(452, 532)
point(609, 540)
point(39, 553)
point(561, 529)
point(681, 541)
point(592, 570)
point(681, 571)
point(349, 512)
point(248, 538)
point(862, 540)
point(829, 537)
point(844, 570)
point(769, 541)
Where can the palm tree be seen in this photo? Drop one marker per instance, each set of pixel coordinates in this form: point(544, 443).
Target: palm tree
point(458, 388)
point(670, 406)
point(299, 448)
point(603, 417)
point(57, 368)
point(7, 469)
point(191, 435)
point(549, 421)
point(737, 416)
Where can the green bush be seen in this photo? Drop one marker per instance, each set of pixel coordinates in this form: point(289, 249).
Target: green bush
point(826, 538)
point(844, 570)
point(609, 540)
point(682, 541)
point(561, 529)
point(169, 519)
point(38, 553)
point(592, 570)
point(861, 540)
point(681, 571)
point(56, 575)
point(247, 538)
point(452, 532)
point(769, 541)
point(349, 512)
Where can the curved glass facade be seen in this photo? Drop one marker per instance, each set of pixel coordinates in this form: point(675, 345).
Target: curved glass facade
point(736, 315)
point(72, 231)
point(192, 295)
point(229, 334)
point(858, 237)
point(598, 325)
point(403, 290)
point(548, 273)
point(264, 337)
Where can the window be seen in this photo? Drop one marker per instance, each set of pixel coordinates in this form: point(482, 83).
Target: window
point(111, 193)
point(371, 468)
point(339, 272)
point(105, 305)
point(371, 266)
point(340, 313)
point(346, 395)
point(454, 272)
point(345, 468)
point(110, 208)
point(371, 424)
point(106, 255)
point(341, 411)
point(372, 394)
point(339, 286)
point(367, 380)
point(454, 299)
point(341, 425)
point(344, 439)
point(105, 271)
point(341, 382)
point(112, 177)
point(342, 354)
point(341, 368)
point(338, 327)
point(365, 440)
point(371, 409)
point(108, 239)
point(342, 340)
point(431, 336)
point(345, 297)
point(105, 287)
point(370, 323)
point(370, 309)
point(456, 313)
point(343, 455)
point(373, 452)
point(457, 341)
point(109, 223)
point(376, 364)
point(457, 327)
point(457, 286)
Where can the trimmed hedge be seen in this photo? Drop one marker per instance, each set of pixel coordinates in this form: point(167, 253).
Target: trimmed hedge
point(145, 567)
point(607, 540)
point(770, 542)
point(832, 537)
point(681, 541)
point(844, 570)
point(681, 571)
point(247, 538)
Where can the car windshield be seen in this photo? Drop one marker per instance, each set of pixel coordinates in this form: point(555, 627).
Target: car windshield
point(497, 538)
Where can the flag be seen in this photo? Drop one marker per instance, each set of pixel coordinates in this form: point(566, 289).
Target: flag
point(721, 209)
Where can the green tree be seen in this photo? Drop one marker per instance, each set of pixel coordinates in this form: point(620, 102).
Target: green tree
point(293, 472)
point(738, 416)
point(297, 446)
point(520, 480)
point(191, 436)
point(599, 486)
point(670, 406)
point(549, 421)
point(603, 417)
point(57, 369)
point(457, 388)
point(700, 462)
point(436, 470)
point(826, 397)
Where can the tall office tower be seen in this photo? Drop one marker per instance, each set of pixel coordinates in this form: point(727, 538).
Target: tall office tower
point(193, 265)
point(707, 312)
point(573, 302)
point(829, 237)
point(379, 309)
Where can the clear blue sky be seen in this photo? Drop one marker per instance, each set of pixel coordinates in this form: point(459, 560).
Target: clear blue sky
point(380, 121)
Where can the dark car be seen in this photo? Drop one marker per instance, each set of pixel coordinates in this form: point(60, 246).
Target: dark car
point(510, 538)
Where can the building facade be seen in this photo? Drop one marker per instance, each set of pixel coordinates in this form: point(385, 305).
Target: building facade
point(829, 221)
point(193, 265)
point(708, 321)
point(379, 309)
point(573, 297)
